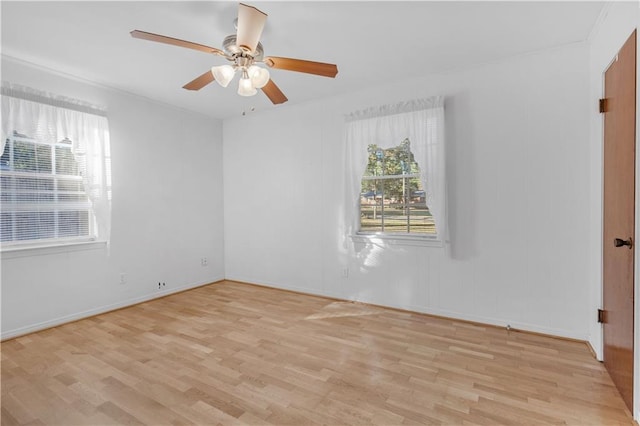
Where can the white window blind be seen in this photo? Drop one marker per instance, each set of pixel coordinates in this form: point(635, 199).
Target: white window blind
point(54, 169)
point(43, 196)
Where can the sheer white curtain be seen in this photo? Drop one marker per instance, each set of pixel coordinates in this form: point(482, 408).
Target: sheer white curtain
point(51, 118)
point(422, 121)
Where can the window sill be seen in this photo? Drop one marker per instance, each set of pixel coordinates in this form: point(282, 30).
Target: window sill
point(42, 249)
point(398, 240)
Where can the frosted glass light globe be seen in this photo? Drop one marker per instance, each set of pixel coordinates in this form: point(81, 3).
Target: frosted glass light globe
point(259, 76)
point(223, 74)
point(245, 87)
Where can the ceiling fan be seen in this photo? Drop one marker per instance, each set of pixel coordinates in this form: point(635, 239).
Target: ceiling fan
point(245, 51)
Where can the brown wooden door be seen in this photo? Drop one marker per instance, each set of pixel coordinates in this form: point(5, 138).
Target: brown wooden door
point(619, 216)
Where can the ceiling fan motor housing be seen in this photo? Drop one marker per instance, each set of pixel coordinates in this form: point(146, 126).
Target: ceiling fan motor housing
point(232, 50)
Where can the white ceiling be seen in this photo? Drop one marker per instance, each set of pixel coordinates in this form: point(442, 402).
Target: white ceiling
point(371, 42)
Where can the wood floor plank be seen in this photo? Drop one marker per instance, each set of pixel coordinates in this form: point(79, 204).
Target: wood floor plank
point(232, 353)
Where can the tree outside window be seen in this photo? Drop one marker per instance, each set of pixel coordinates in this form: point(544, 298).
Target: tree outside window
point(392, 199)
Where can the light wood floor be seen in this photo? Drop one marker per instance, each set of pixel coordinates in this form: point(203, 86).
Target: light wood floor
point(232, 353)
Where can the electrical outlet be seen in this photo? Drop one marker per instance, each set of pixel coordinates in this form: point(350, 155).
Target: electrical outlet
point(123, 278)
point(204, 261)
point(345, 273)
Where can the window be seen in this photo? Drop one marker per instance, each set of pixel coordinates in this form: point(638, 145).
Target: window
point(42, 192)
point(55, 170)
point(392, 199)
point(395, 173)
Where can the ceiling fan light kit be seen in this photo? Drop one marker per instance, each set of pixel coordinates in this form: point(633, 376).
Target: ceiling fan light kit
point(223, 74)
point(244, 50)
point(259, 76)
point(245, 87)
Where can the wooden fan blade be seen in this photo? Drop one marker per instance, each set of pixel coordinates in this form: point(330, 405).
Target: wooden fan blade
point(199, 82)
point(274, 93)
point(250, 25)
point(176, 42)
point(300, 65)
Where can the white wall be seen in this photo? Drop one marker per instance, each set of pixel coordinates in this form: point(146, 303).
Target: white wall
point(617, 22)
point(524, 176)
point(518, 188)
point(167, 213)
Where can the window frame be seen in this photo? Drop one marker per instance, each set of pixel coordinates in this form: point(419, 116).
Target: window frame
point(398, 239)
point(422, 121)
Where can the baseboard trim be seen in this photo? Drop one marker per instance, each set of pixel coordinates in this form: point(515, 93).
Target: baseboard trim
point(444, 314)
point(593, 351)
point(22, 331)
point(448, 315)
point(510, 325)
